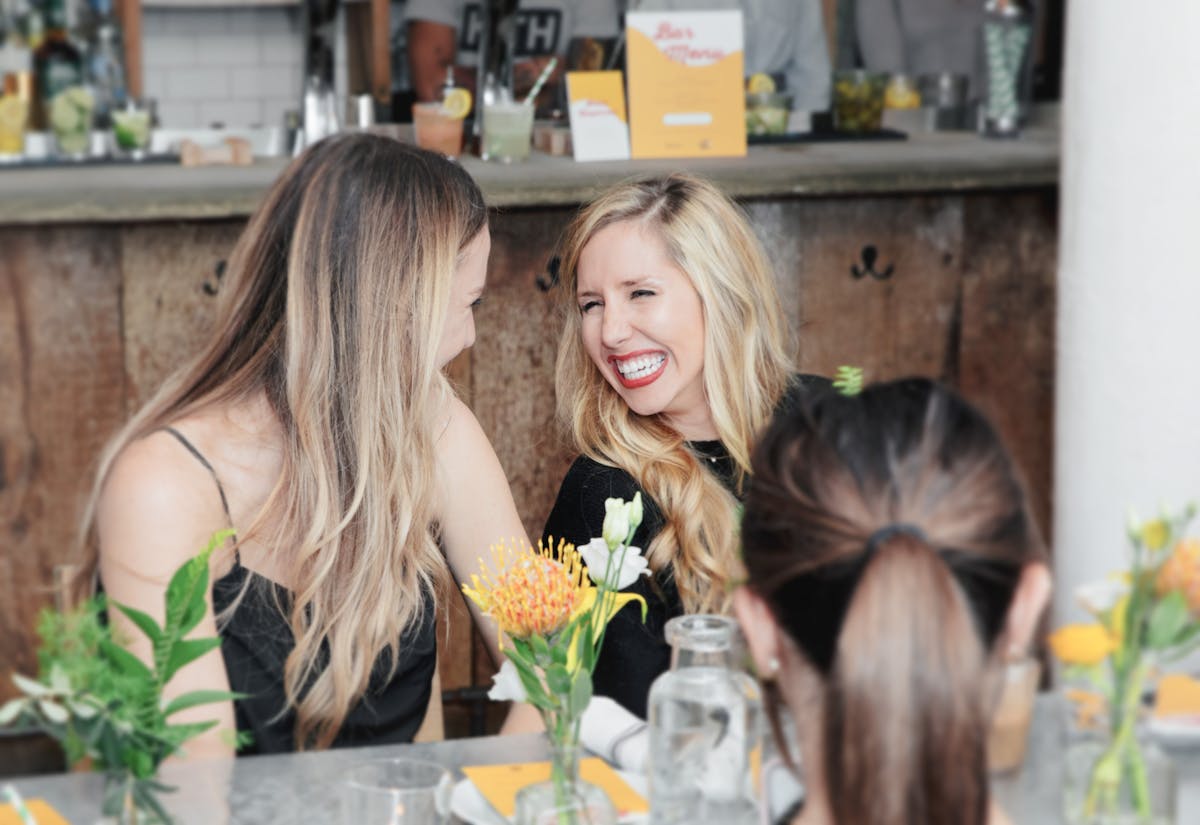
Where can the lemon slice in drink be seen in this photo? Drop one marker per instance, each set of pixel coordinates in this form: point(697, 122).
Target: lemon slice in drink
point(457, 103)
point(760, 84)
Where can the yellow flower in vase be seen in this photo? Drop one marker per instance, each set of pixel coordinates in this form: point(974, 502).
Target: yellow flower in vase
point(1181, 571)
point(1082, 644)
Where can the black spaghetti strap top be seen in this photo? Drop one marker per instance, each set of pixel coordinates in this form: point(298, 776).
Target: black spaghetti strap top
point(256, 641)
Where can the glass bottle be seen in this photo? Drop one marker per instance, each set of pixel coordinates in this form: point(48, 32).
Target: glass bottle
point(1007, 36)
point(66, 104)
point(106, 62)
point(705, 723)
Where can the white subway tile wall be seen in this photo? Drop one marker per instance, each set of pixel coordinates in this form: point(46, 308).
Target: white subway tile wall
point(233, 66)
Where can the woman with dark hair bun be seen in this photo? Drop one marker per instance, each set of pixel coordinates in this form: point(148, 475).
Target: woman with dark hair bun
point(892, 566)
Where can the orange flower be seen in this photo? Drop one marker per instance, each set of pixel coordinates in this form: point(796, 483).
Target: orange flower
point(1181, 571)
point(535, 591)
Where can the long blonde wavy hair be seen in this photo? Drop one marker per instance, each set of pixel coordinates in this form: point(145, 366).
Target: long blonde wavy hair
point(333, 306)
point(747, 369)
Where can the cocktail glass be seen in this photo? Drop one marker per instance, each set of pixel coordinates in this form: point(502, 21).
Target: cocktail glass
point(131, 127)
point(437, 131)
point(507, 131)
point(71, 112)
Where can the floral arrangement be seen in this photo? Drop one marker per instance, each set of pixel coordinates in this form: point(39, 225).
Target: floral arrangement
point(1144, 618)
point(554, 605)
point(104, 704)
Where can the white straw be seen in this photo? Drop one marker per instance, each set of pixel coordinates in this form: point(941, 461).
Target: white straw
point(14, 799)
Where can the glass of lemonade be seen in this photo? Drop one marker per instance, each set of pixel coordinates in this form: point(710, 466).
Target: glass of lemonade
point(70, 118)
point(131, 124)
point(436, 130)
point(507, 131)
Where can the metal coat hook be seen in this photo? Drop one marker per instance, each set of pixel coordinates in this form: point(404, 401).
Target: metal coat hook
point(212, 286)
point(548, 281)
point(869, 255)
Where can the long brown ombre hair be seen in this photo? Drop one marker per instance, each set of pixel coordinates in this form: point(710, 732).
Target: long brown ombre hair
point(333, 306)
point(887, 532)
point(747, 368)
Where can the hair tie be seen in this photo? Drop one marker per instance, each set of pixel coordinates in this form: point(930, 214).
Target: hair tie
point(887, 533)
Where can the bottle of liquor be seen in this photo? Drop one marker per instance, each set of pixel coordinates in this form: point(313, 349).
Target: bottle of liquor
point(58, 68)
point(105, 68)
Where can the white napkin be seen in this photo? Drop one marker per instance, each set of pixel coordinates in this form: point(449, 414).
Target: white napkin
point(614, 733)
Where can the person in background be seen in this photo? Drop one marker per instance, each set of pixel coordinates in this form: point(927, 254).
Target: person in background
point(318, 424)
point(919, 37)
point(892, 565)
point(784, 39)
point(445, 33)
point(674, 354)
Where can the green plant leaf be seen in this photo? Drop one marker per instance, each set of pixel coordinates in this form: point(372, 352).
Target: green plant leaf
point(53, 711)
point(125, 662)
point(144, 622)
point(558, 680)
point(199, 697)
point(1168, 619)
point(184, 652)
point(541, 650)
point(581, 694)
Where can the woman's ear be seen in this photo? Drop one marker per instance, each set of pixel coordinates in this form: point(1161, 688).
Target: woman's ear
point(1029, 600)
point(759, 628)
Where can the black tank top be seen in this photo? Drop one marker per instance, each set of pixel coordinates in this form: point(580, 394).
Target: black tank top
point(256, 641)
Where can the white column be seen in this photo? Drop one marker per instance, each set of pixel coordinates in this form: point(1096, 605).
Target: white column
point(1127, 430)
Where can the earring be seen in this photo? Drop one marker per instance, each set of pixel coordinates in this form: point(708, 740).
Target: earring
point(773, 667)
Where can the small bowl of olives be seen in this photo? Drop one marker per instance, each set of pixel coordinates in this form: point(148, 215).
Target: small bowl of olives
point(858, 100)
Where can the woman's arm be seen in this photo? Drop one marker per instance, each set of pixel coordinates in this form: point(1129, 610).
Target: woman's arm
point(158, 509)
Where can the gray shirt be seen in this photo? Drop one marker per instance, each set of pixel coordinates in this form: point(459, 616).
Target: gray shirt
point(921, 36)
point(784, 38)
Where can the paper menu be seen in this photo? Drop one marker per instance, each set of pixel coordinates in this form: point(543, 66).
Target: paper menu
point(41, 811)
point(499, 783)
point(599, 127)
point(685, 84)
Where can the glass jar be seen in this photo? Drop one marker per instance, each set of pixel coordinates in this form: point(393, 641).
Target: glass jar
point(705, 722)
point(565, 799)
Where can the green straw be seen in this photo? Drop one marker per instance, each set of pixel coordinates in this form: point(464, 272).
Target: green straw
point(541, 81)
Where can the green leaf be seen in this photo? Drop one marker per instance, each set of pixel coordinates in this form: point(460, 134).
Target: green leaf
point(581, 694)
point(186, 651)
point(147, 799)
point(541, 650)
point(199, 697)
point(53, 711)
point(558, 680)
point(144, 622)
point(125, 662)
point(1168, 619)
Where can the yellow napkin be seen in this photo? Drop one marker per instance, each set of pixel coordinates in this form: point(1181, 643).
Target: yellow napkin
point(1177, 695)
point(42, 813)
point(499, 784)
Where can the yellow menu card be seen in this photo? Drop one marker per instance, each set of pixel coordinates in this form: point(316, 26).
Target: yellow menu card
point(499, 784)
point(685, 84)
point(42, 813)
point(596, 103)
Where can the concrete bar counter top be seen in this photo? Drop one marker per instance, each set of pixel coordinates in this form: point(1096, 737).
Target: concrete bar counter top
point(926, 162)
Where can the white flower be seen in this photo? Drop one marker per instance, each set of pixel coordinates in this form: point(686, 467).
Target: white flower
point(506, 684)
point(625, 570)
point(1100, 596)
point(616, 521)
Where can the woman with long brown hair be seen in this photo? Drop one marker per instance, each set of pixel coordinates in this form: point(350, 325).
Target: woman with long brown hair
point(674, 354)
point(892, 565)
point(317, 423)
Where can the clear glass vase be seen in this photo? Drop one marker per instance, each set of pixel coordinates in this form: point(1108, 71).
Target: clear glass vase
point(565, 799)
point(705, 723)
point(125, 800)
point(1130, 785)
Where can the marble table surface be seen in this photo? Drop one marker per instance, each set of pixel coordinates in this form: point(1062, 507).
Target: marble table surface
point(302, 788)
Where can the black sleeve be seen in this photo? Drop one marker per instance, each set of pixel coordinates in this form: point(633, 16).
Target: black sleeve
point(578, 512)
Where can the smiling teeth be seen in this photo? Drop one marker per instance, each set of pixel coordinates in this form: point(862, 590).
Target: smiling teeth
point(640, 367)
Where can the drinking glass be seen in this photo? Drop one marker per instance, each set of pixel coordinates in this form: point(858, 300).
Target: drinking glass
point(437, 131)
point(396, 792)
point(858, 100)
point(131, 124)
point(70, 114)
point(507, 131)
point(1013, 715)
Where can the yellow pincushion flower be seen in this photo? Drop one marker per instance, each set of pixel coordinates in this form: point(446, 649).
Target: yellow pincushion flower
point(1181, 571)
point(1082, 644)
point(534, 592)
point(1156, 533)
